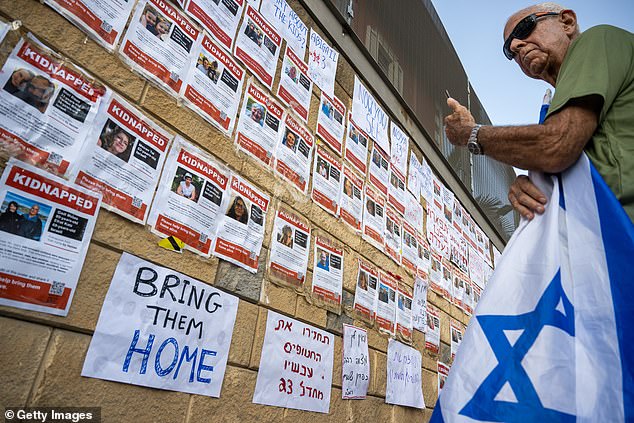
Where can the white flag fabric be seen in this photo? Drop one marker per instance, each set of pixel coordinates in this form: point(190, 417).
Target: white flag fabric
point(549, 334)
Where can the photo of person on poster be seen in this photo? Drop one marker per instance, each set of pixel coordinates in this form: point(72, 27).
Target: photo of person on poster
point(362, 283)
point(115, 140)
point(36, 91)
point(324, 262)
point(186, 188)
point(238, 210)
point(285, 237)
point(18, 80)
point(23, 217)
point(10, 219)
point(290, 140)
point(348, 188)
point(255, 111)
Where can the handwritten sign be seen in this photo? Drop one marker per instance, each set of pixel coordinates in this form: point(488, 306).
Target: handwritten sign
point(162, 329)
point(369, 115)
point(419, 307)
point(400, 147)
point(295, 366)
point(414, 176)
point(404, 376)
point(286, 21)
point(322, 63)
point(355, 367)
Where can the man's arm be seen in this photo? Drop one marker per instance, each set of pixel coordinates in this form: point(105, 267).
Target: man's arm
point(549, 147)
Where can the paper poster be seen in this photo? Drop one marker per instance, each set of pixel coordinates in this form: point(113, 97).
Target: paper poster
point(419, 303)
point(432, 332)
point(214, 87)
point(374, 218)
point(409, 247)
point(50, 221)
point(443, 372)
point(426, 182)
point(468, 302)
point(290, 242)
point(356, 146)
point(414, 175)
point(457, 216)
point(190, 197)
point(355, 368)
point(185, 335)
point(241, 225)
point(413, 211)
point(399, 149)
point(404, 376)
point(259, 124)
point(351, 207)
point(294, 153)
point(477, 293)
point(396, 191)
point(254, 3)
point(457, 288)
point(479, 240)
point(369, 115)
point(379, 172)
point(5, 27)
point(322, 63)
point(258, 46)
point(295, 366)
point(47, 107)
point(386, 305)
point(102, 20)
point(365, 294)
point(393, 234)
point(487, 252)
point(295, 87)
point(404, 324)
point(327, 181)
point(424, 254)
point(435, 274)
point(330, 122)
point(328, 271)
point(457, 329)
point(159, 43)
point(220, 18)
point(291, 26)
point(448, 201)
point(122, 159)
point(459, 250)
point(446, 280)
point(438, 230)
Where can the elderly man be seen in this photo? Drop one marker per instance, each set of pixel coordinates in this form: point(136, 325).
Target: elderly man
point(592, 109)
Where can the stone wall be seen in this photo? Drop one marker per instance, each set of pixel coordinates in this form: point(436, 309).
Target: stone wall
point(41, 355)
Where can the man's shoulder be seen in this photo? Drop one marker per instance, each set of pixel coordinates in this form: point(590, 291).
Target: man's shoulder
point(606, 31)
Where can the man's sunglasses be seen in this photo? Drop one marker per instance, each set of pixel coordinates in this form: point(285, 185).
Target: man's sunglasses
point(522, 30)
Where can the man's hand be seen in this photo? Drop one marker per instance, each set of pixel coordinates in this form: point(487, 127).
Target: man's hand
point(459, 123)
point(526, 198)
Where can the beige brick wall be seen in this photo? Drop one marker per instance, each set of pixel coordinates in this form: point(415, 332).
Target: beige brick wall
point(41, 355)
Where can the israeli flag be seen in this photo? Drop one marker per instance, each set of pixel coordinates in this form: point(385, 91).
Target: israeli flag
point(549, 339)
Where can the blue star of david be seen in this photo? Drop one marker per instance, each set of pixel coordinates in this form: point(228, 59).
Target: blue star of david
point(528, 407)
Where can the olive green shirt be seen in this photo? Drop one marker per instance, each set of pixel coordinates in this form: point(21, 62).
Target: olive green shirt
point(601, 61)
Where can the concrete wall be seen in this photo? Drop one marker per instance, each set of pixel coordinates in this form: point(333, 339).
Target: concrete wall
point(41, 355)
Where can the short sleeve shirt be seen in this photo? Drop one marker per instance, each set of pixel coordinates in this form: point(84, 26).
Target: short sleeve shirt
point(601, 62)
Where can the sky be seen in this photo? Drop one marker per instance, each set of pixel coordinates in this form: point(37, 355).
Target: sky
point(475, 29)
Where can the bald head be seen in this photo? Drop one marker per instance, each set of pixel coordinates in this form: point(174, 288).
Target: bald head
point(541, 7)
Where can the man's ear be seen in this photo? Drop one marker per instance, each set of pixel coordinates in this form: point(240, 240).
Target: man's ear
point(569, 20)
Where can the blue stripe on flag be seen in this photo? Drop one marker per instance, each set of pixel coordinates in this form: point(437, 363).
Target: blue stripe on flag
point(436, 416)
point(617, 231)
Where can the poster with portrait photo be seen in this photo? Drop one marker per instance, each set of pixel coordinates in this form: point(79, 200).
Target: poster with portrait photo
point(446, 277)
point(374, 218)
point(366, 291)
point(220, 18)
point(457, 288)
point(331, 123)
point(386, 304)
point(122, 159)
point(47, 107)
point(288, 24)
point(432, 332)
point(409, 247)
point(327, 180)
point(469, 294)
point(258, 46)
point(424, 254)
point(457, 331)
point(159, 44)
point(457, 216)
point(351, 199)
point(443, 373)
point(213, 88)
point(241, 226)
point(295, 87)
point(435, 274)
point(356, 151)
point(190, 197)
point(404, 300)
point(393, 234)
point(290, 248)
point(327, 283)
point(379, 171)
point(47, 217)
point(396, 191)
point(447, 204)
point(102, 20)
point(259, 124)
point(477, 267)
point(294, 153)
